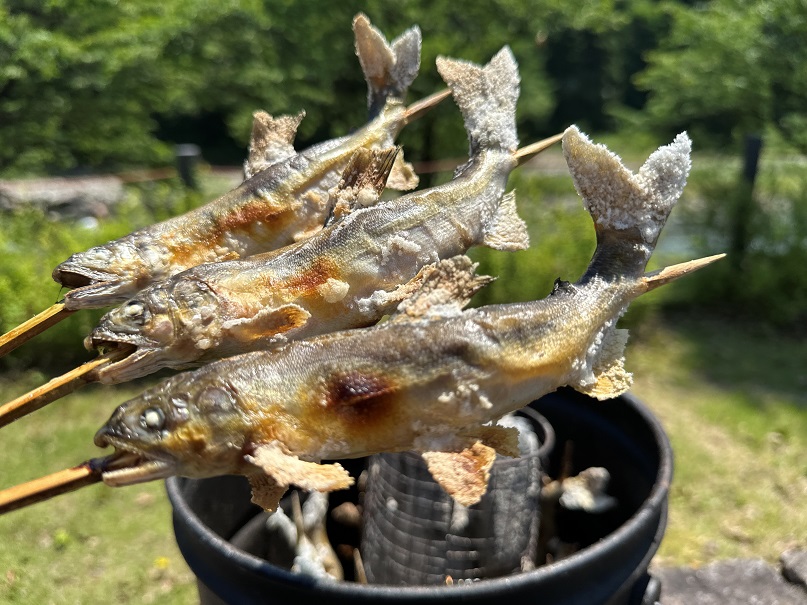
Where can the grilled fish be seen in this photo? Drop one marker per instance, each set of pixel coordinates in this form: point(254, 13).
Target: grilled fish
point(432, 377)
point(349, 274)
point(283, 202)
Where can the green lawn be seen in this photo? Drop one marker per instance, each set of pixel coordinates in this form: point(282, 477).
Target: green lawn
point(97, 545)
point(733, 399)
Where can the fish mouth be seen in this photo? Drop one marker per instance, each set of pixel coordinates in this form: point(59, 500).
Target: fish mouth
point(129, 467)
point(90, 288)
point(140, 361)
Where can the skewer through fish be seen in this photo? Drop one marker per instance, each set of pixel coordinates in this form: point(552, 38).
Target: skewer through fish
point(352, 272)
point(430, 379)
point(284, 201)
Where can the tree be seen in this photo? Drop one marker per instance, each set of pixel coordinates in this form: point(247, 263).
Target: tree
point(730, 67)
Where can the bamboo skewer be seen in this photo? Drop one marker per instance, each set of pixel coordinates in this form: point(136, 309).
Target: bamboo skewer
point(44, 488)
point(418, 108)
point(56, 388)
point(28, 329)
point(530, 151)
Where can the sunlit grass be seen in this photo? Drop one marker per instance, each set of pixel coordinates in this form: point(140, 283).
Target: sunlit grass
point(96, 545)
point(734, 405)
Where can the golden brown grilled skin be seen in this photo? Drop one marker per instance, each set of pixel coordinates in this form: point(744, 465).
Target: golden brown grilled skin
point(282, 204)
point(349, 274)
point(341, 277)
point(397, 386)
point(428, 379)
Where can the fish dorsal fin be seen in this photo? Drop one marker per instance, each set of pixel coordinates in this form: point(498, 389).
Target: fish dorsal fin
point(463, 474)
point(610, 377)
point(388, 69)
point(363, 181)
point(506, 230)
point(403, 176)
point(271, 141)
point(443, 289)
point(267, 323)
point(286, 469)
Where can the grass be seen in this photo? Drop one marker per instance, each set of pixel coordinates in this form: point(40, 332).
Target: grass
point(731, 395)
point(97, 545)
point(732, 399)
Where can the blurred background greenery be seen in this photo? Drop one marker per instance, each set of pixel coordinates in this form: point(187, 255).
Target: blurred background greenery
point(101, 86)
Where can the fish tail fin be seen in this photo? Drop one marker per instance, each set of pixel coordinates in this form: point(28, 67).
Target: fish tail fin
point(389, 68)
point(487, 97)
point(628, 210)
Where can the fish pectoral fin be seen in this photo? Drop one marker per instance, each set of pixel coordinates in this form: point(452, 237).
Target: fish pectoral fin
point(287, 469)
point(266, 492)
point(503, 439)
point(402, 177)
point(441, 288)
point(267, 323)
point(271, 141)
point(506, 230)
point(610, 377)
point(363, 181)
point(464, 474)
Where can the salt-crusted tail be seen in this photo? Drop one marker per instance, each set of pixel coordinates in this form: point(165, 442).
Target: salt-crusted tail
point(629, 210)
point(389, 68)
point(487, 97)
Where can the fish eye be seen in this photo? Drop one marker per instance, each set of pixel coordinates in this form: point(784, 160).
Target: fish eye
point(153, 418)
point(135, 311)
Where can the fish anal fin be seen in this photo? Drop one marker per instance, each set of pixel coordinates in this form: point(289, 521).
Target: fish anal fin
point(267, 323)
point(403, 176)
point(266, 492)
point(506, 230)
point(363, 181)
point(442, 288)
point(287, 469)
point(464, 475)
point(611, 378)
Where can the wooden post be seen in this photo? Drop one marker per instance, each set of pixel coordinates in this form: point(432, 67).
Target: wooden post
point(744, 204)
point(188, 156)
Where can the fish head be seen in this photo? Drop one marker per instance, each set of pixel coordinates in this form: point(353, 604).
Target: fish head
point(188, 425)
point(103, 275)
point(165, 325)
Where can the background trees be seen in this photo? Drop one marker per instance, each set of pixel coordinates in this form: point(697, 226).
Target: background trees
point(100, 84)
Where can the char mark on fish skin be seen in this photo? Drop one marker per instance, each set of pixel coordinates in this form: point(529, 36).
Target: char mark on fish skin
point(360, 398)
point(312, 277)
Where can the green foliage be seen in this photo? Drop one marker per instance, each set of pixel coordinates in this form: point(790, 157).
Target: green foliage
point(729, 67)
point(764, 235)
point(31, 245)
point(561, 242)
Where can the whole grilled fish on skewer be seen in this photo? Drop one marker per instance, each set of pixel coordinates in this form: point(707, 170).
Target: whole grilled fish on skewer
point(349, 274)
point(431, 378)
point(285, 201)
point(279, 205)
